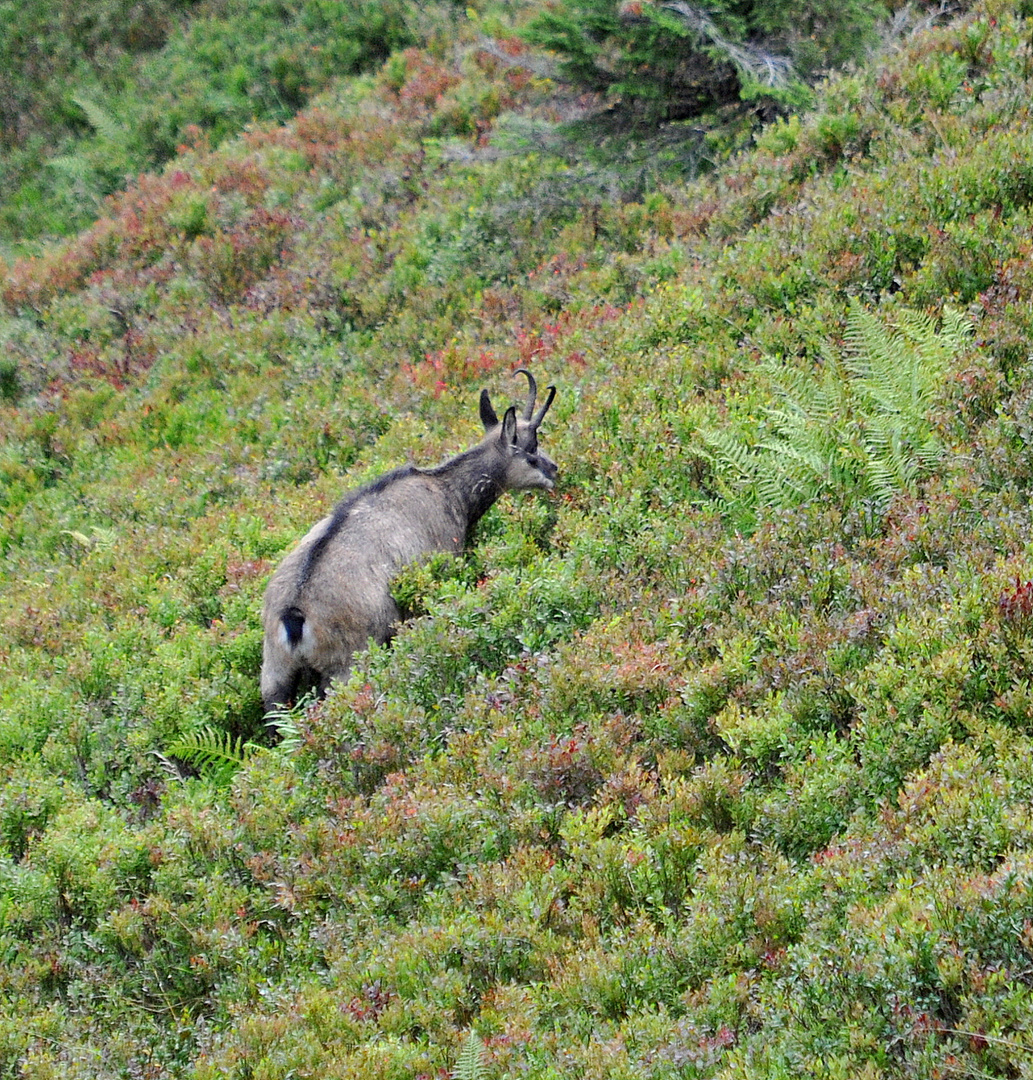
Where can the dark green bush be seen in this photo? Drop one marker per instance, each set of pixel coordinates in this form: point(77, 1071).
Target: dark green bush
point(672, 61)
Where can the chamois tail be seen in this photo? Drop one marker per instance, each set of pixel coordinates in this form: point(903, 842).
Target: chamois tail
point(293, 621)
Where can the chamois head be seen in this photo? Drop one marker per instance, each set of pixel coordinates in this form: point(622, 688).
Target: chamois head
point(517, 436)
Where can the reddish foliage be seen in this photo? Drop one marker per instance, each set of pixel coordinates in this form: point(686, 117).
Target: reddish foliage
point(233, 261)
point(426, 82)
point(32, 283)
point(374, 1000)
point(563, 771)
point(1016, 604)
point(441, 368)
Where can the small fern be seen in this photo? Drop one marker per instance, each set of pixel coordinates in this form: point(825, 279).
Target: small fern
point(218, 756)
point(215, 754)
point(470, 1064)
point(102, 122)
point(74, 167)
point(96, 165)
point(286, 722)
point(856, 428)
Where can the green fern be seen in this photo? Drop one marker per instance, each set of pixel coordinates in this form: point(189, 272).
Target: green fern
point(856, 428)
point(91, 172)
point(74, 167)
point(286, 722)
point(218, 756)
point(470, 1064)
point(102, 122)
point(215, 754)
point(899, 370)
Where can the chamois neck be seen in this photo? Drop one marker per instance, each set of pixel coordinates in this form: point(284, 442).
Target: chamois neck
point(473, 481)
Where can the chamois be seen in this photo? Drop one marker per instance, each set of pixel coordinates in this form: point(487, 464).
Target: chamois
point(332, 594)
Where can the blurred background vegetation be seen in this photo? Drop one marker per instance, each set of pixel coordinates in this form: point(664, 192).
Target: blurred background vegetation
point(93, 94)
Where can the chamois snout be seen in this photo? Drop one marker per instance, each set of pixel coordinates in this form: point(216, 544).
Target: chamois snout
point(526, 466)
point(533, 470)
point(548, 470)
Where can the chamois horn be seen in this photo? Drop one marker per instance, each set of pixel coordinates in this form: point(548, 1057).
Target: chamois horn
point(532, 391)
point(544, 409)
point(533, 418)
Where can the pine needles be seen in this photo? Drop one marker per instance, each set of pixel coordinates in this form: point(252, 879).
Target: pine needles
point(855, 429)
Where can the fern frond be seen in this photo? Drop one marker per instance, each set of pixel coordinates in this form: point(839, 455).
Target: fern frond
point(214, 753)
point(956, 329)
point(778, 489)
point(930, 453)
point(725, 452)
point(856, 427)
point(878, 485)
point(811, 464)
point(470, 1064)
point(73, 167)
point(286, 722)
point(102, 122)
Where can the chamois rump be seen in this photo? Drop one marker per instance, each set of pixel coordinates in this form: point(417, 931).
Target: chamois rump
point(332, 594)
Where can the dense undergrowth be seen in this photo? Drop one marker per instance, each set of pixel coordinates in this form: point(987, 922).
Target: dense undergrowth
point(716, 763)
point(93, 94)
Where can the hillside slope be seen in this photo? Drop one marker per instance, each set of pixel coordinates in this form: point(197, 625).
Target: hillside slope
point(715, 763)
point(93, 94)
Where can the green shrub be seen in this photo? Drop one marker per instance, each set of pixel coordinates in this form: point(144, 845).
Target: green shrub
point(672, 61)
point(651, 783)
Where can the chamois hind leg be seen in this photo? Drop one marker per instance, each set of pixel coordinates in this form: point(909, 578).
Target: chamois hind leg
point(333, 673)
point(279, 694)
point(280, 678)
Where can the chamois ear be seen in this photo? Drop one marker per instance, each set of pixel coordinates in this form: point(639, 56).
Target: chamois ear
point(508, 436)
point(488, 417)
